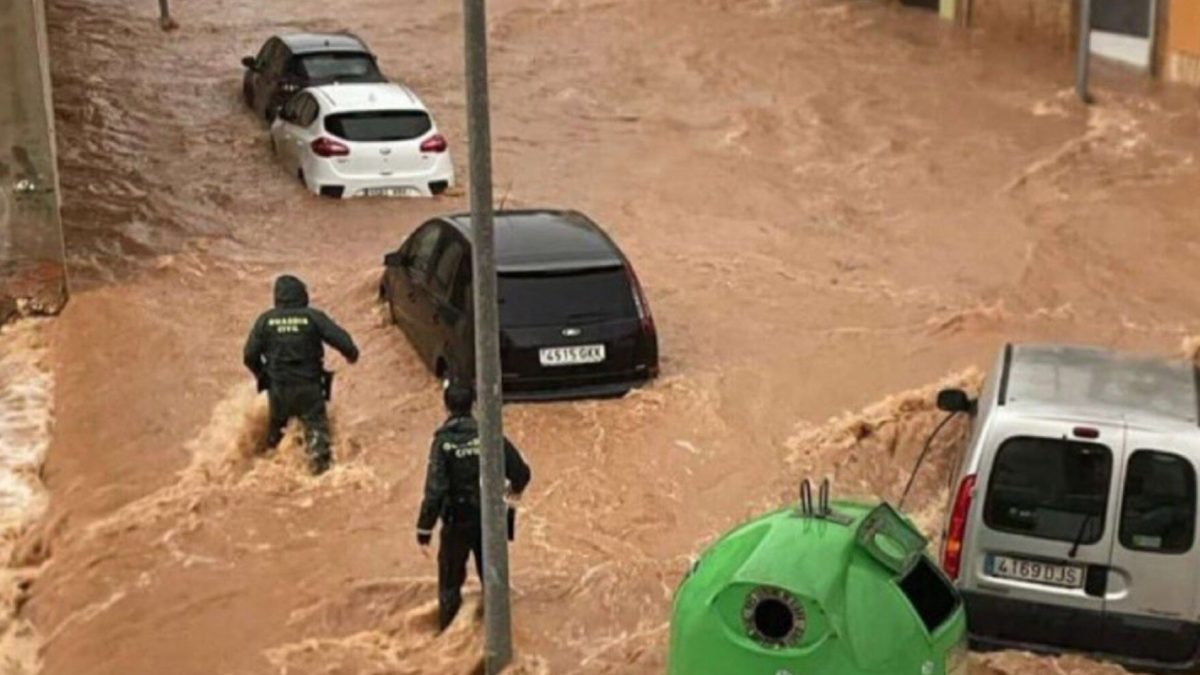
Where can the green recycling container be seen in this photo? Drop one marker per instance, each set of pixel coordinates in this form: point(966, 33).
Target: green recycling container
point(843, 589)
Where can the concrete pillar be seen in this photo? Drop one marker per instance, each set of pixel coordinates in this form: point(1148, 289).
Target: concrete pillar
point(32, 271)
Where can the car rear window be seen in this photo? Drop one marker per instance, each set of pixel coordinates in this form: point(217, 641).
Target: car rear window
point(1049, 489)
point(383, 125)
point(337, 66)
point(564, 298)
point(1158, 512)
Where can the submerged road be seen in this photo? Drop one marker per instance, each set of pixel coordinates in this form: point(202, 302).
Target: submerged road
point(828, 203)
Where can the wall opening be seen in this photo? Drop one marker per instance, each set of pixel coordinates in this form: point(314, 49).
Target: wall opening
point(1122, 31)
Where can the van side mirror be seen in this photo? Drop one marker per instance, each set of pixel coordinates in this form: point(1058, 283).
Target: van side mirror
point(955, 401)
point(396, 259)
point(250, 62)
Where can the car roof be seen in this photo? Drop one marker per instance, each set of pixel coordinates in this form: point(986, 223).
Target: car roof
point(366, 96)
point(1091, 382)
point(539, 240)
point(307, 43)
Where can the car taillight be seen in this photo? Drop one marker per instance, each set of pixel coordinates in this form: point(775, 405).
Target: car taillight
point(952, 554)
point(327, 147)
point(435, 143)
point(639, 299)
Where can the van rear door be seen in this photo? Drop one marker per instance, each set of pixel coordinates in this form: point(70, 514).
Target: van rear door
point(1038, 543)
point(1150, 612)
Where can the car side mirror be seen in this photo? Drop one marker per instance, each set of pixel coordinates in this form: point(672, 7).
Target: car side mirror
point(955, 401)
point(249, 62)
point(396, 259)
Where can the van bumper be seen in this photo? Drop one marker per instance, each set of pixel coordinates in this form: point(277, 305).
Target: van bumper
point(1147, 644)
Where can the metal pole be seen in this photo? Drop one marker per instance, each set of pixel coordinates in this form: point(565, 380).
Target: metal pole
point(1085, 51)
point(497, 617)
point(164, 15)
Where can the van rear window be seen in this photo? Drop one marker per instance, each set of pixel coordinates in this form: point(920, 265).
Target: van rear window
point(1158, 512)
point(930, 594)
point(1049, 489)
point(565, 298)
point(379, 125)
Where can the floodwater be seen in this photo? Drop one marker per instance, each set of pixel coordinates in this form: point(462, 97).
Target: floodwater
point(833, 205)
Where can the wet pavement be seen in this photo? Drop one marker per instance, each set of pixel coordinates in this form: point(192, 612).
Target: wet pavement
point(831, 205)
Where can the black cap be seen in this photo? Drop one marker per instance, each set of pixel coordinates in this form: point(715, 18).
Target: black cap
point(459, 398)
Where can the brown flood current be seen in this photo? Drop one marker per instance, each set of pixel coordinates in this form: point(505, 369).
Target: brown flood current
point(828, 202)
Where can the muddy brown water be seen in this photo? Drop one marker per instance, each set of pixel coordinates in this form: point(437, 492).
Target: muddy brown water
point(829, 203)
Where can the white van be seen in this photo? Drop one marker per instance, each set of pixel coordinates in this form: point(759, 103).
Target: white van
point(1072, 521)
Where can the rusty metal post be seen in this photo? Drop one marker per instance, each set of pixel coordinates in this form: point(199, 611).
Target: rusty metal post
point(164, 16)
point(1084, 57)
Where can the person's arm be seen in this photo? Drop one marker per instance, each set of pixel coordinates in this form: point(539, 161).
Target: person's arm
point(252, 354)
point(437, 487)
point(515, 469)
point(335, 336)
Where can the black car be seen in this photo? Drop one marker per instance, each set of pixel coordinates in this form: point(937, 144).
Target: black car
point(288, 63)
point(573, 319)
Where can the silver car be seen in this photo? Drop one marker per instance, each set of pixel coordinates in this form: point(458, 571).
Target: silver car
point(1072, 520)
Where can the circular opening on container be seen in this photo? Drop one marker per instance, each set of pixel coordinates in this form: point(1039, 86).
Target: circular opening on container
point(773, 617)
point(774, 620)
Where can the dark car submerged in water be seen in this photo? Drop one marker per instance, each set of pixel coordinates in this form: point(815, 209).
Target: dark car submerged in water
point(290, 63)
point(573, 319)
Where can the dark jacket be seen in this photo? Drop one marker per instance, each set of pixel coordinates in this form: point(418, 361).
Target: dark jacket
point(287, 343)
point(452, 478)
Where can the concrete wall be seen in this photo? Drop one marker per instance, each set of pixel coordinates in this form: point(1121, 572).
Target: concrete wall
point(32, 270)
point(1046, 22)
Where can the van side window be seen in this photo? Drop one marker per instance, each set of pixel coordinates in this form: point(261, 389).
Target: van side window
point(1158, 513)
point(1049, 489)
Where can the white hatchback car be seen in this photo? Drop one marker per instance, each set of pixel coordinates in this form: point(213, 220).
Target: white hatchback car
point(355, 140)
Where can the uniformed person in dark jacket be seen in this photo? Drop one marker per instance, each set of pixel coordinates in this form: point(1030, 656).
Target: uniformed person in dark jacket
point(286, 353)
point(452, 493)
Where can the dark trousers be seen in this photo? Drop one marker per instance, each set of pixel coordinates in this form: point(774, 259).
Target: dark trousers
point(307, 402)
point(462, 536)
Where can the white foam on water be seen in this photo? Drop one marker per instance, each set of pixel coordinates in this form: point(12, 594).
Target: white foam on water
point(26, 421)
